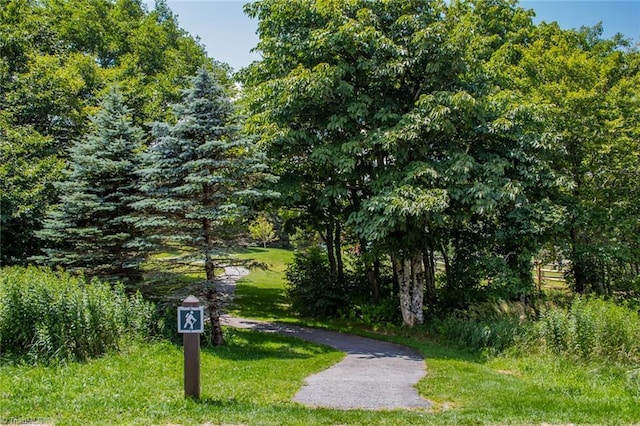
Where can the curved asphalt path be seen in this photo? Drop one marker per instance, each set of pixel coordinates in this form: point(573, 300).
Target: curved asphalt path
point(374, 375)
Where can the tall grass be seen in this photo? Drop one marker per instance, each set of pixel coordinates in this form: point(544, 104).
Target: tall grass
point(590, 329)
point(47, 316)
point(488, 327)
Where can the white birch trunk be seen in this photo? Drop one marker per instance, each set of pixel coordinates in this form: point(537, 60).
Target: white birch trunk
point(417, 295)
point(410, 273)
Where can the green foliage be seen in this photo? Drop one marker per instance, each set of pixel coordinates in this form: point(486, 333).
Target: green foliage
point(313, 291)
point(27, 173)
point(388, 120)
point(50, 316)
point(57, 59)
point(261, 229)
point(304, 238)
point(588, 87)
point(253, 378)
point(87, 231)
point(491, 327)
point(591, 329)
point(200, 176)
point(383, 313)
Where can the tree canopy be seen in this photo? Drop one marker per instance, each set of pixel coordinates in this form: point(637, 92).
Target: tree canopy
point(58, 58)
point(447, 144)
point(88, 230)
point(395, 120)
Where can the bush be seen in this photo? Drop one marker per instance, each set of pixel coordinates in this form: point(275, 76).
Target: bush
point(492, 327)
point(384, 313)
point(50, 316)
point(312, 290)
point(591, 329)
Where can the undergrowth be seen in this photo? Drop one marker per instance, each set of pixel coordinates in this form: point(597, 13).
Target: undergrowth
point(488, 327)
point(48, 316)
point(589, 329)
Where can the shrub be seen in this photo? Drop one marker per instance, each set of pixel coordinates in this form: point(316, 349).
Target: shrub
point(310, 287)
point(491, 327)
point(386, 312)
point(49, 316)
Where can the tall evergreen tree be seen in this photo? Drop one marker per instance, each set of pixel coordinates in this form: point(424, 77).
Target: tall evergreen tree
point(87, 231)
point(56, 59)
point(199, 175)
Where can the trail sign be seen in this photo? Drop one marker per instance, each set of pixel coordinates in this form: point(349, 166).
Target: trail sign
point(190, 323)
point(190, 319)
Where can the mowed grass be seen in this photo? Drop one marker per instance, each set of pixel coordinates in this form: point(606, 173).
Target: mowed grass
point(253, 377)
point(525, 390)
point(250, 381)
point(261, 294)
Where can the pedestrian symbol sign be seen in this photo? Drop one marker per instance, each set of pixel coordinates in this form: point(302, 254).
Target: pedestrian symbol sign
point(191, 319)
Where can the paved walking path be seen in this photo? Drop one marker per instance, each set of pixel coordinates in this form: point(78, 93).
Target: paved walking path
point(374, 375)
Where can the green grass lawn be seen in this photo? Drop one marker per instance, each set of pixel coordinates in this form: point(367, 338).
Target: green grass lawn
point(470, 389)
point(252, 379)
point(261, 294)
point(249, 381)
point(525, 390)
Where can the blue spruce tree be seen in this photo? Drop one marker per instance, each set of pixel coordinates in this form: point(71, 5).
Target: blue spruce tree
point(200, 177)
point(87, 231)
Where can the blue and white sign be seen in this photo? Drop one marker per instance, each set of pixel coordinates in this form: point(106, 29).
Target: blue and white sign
point(191, 319)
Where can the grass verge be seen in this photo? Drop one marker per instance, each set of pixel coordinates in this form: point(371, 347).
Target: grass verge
point(252, 379)
point(249, 381)
point(473, 389)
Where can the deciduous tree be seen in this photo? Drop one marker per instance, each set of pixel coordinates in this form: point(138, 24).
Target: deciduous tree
point(58, 58)
point(261, 229)
point(587, 87)
point(385, 117)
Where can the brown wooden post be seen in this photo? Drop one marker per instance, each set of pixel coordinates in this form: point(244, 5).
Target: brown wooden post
point(191, 342)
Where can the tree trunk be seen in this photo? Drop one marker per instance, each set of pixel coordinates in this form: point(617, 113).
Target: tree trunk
point(430, 276)
point(371, 270)
point(539, 274)
point(402, 268)
point(417, 291)
point(579, 266)
point(328, 239)
point(578, 269)
point(445, 258)
point(338, 253)
point(211, 292)
point(410, 273)
point(396, 279)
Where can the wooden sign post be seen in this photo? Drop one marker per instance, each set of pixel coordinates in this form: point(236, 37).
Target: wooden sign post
point(191, 325)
